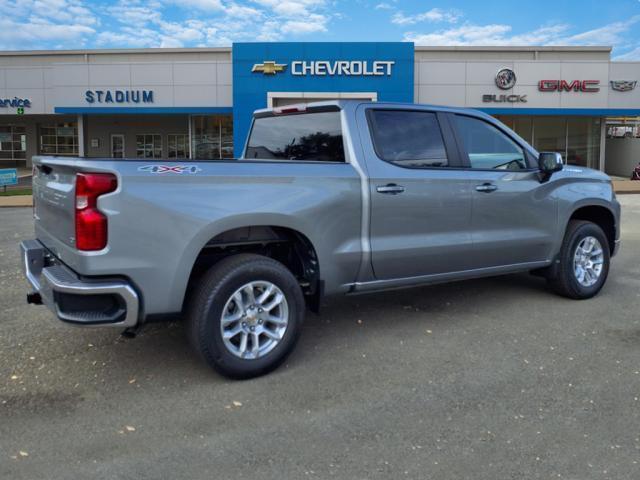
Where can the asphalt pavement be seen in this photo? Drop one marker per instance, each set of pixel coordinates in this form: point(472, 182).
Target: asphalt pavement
point(486, 379)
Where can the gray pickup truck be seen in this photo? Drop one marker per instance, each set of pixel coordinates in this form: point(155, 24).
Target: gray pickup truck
point(338, 197)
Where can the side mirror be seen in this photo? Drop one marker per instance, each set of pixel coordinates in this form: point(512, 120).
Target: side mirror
point(550, 162)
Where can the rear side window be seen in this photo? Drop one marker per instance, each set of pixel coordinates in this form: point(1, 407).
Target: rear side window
point(308, 136)
point(488, 147)
point(408, 138)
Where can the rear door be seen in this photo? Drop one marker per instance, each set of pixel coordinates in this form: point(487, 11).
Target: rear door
point(514, 214)
point(420, 199)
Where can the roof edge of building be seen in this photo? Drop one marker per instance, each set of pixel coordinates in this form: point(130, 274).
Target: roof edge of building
point(511, 48)
point(108, 51)
point(487, 48)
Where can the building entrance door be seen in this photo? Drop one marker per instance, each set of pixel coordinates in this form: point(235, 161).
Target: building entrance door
point(117, 145)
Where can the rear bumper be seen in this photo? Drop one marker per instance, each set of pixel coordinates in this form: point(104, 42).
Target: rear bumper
point(83, 302)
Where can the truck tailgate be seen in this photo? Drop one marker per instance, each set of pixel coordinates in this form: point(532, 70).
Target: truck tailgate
point(54, 200)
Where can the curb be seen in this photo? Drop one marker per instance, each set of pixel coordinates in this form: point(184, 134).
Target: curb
point(626, 186)
point(16, 201)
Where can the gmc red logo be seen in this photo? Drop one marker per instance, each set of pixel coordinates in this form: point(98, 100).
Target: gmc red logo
point(564, 86)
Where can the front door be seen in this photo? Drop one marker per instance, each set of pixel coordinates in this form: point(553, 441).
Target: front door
point(420, 206)
point(514, 214)
point(117, 146)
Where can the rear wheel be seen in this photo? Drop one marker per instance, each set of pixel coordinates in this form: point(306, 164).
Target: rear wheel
point(583, 263)
point(245, 317)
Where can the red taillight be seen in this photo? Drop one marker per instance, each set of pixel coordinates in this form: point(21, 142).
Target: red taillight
point(91, 223)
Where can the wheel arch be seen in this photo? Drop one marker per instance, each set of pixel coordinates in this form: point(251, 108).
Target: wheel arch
point(601, 216)
point(279, 240)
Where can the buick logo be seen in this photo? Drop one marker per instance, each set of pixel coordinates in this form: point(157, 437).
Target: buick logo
point(505, 78)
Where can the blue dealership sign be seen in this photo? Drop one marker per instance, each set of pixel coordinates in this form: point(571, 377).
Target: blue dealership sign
point(384, 68)
point(118, 96)
point(8, 176)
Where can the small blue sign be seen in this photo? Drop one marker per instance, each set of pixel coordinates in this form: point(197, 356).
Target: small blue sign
point(8, 176)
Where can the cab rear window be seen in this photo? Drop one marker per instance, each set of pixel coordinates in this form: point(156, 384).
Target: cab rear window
point(315, 136)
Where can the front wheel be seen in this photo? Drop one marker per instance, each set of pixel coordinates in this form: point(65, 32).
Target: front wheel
point(583, 263)
point(245, 317)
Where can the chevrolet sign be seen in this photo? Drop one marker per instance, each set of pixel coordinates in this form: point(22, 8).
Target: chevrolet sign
point(342, 67)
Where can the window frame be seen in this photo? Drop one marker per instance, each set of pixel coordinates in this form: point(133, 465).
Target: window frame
point(12, 151)
point(153, 157)
point(57, 145)
point(186, 145)
point(453, 157)
point(464, 155)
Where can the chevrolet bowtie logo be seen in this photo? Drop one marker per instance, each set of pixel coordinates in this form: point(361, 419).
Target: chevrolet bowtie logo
point(269, 67)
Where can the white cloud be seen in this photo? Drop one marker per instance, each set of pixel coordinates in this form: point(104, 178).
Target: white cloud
point(204, 5)
point(632, 55)
point(128, 37)
point(292, 17)
point(64, 11)
point(384, 6)
point(292, 8)
point(240, 11)
point(314, 23)
point(610, 34)
point(134, 14)
point(501, 34)
point(45, 24)
point(433, 15)
point(146, 23)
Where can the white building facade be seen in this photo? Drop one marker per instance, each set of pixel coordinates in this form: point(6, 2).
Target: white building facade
point(197, 103)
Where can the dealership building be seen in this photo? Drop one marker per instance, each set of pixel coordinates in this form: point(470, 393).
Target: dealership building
point(197, 102)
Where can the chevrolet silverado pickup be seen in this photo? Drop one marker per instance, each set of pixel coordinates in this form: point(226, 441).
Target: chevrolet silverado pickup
point(328, 198)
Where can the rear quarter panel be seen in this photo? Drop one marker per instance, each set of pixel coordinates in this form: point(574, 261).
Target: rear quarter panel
point(159, 222)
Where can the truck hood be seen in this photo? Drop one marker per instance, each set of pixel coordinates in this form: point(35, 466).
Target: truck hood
point(577, 171)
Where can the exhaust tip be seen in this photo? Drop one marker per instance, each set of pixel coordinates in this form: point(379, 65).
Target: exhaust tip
point(34, 298)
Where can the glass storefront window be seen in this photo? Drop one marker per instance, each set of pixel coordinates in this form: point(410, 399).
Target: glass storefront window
point(226, 136)
point(149, 145)
point(178, 145)
point(59, 139)
point(583, 135)
point(523, 126)
point(212, 137)
point(550, 135)
point(577, 139)
point(621, 127)
point(13, 142)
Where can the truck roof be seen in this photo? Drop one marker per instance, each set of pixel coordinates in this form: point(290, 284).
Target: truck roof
point(342, 103)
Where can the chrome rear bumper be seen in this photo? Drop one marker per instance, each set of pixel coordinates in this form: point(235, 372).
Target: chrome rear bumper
point(84, 302)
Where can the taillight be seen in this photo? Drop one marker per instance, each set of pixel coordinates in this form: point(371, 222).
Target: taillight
point(91, 223)
point(297, 108)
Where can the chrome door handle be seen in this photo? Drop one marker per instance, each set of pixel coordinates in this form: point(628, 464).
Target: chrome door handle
point(486, 188)
point(391, 189)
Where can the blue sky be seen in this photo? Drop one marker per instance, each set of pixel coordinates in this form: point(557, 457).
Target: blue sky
point(65, 24)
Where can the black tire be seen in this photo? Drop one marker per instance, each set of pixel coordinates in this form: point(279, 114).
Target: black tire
point(205, 307)
point(563, 280)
